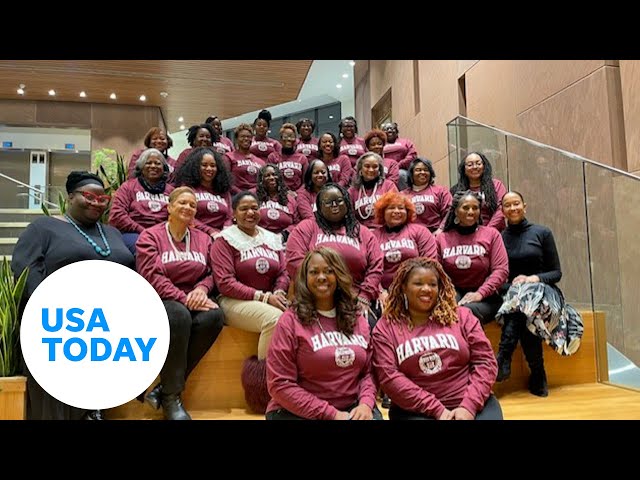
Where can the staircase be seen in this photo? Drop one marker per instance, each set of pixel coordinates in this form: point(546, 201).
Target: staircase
point(13, 221)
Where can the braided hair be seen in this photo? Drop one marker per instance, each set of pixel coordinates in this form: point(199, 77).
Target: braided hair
point(444, 312)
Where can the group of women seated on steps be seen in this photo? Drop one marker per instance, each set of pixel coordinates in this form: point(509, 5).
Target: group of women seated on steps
point(389, 289)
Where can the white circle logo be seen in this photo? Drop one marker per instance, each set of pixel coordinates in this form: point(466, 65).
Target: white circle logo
point(94, 334)
point(155, 206)
point(289, 173)
point(273, 214)
point(463, 262)
point(419, 208)
point(306, 151)
point(344, 357)
point(430, 363)
point(262, 265)
point(352, 151)
point(393, 256)
point(251, 170)
point(212, 206)
point(262, 147)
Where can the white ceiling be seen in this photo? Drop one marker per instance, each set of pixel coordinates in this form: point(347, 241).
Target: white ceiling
point(318, 89)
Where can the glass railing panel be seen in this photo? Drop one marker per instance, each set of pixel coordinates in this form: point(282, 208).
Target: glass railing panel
point(466, 137)
point(613, 219)
point(553, 188)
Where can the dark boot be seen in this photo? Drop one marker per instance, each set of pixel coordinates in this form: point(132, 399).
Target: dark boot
point(532, 346)
point(254, 382)
point(172, 407)
point(153, 397)
point(513, 323)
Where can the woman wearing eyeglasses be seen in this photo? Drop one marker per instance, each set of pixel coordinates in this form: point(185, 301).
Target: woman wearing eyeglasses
point(475, 174)
point(50, 243)
point(335, 226)
point(141, 202)
point(291, 163)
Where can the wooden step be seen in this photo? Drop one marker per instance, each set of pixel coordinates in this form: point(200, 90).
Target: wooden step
point(214, 385)
point(581, 367)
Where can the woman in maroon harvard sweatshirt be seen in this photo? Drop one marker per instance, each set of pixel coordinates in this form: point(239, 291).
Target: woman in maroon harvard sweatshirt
point(375, 140)
point(251, 277)
point(205, 172)
point(175, 259)
point(351, 144)
point(334, 225)
point(243, 164)
point(431, 356)
point(262, 145)
point(202, 135)
point(473, 256)
point(291, 163)
point(141, 202)
point(156, 138)
point(339, 165)
point(278, 208)
point(319, 361)
point(316, 176)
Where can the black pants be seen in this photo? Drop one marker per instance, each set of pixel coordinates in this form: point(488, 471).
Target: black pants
point(282, 414)
point(192, 334)
point(485, 309)
point(514, 329)
point(491, 411)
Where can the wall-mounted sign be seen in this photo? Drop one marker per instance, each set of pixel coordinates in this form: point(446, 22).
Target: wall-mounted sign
point(70, 146)
point(7, 144)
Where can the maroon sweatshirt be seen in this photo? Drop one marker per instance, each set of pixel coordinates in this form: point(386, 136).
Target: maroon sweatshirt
point(434, 367)
point(214, 211)
point(314, 371)
point(265, 147)
point(306, 203)
point(276, 218)
point(239, 274)
point(403, 151)
point(182, 158)
point(225, 145)
point(362, 255)
point(134, 209)
point(410, 242)
point(340, 168)
point(292, 167)
point(173, 275)
point(476, 261)
point(136, 155)
point(391, 170)
point(497, 219)
point(244, 169)
point(363, 200)
point(432, 205)
point(353, 148)
point(308, 148)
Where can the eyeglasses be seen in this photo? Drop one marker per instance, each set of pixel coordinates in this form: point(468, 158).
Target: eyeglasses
point(93, 198)
point(473, 164)
point(288, 137)
point(421, 170)
point(330, 203)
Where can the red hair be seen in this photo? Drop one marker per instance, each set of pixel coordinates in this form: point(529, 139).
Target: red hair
point(375, 133)
point(394, 197)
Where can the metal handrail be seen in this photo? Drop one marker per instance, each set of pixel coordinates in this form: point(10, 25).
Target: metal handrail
point(574, 156)
point(41, 193)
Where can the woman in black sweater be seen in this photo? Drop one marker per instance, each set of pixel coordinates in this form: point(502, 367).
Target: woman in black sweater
point(533, 259)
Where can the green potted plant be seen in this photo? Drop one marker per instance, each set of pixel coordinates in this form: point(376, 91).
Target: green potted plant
point(12, 387)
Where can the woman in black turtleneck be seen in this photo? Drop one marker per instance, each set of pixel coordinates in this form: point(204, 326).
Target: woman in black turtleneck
point(533, 258)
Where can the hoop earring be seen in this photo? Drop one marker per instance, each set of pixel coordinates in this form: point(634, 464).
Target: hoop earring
point(406, 302)
point(234, 220)
point(456, 220)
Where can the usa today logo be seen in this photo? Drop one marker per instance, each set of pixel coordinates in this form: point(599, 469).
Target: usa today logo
point(94, 334)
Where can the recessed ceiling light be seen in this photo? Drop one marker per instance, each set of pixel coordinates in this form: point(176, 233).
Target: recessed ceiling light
point(20, 91)
point(182, 127)
point(345, 75)
point(181, 119)
point(52, 92)
point(83, 94)
point(352, 63)
point(330, 117)
point(143, 98)
point(338, 85)
point(164, 94)
point(113, 96)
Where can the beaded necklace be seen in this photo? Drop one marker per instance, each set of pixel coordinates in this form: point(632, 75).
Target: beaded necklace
point(96, 247)
point(368, 209)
